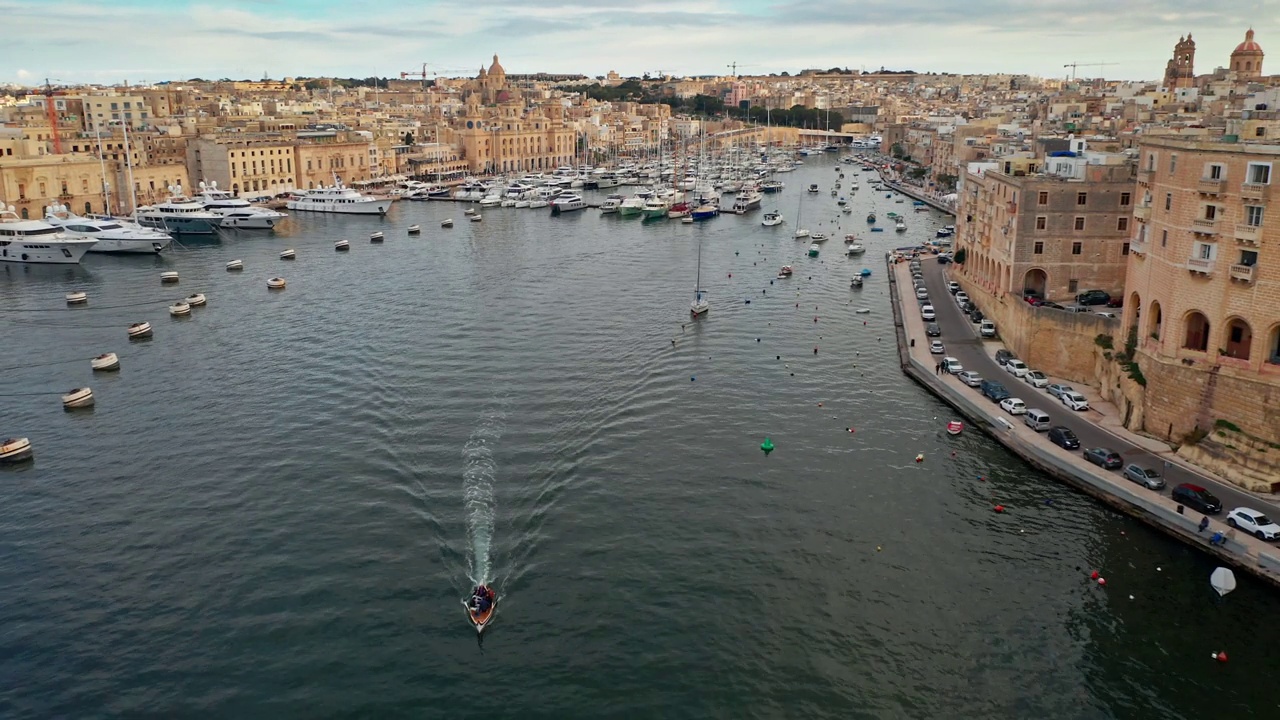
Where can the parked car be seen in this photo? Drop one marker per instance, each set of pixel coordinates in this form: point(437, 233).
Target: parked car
point(1056, 389)
point(1109, 315)
point(1144, 476)
point(967, 306)
point(936, 347)
point(970, 378)
point(1104, 457)
point(1016, 367)
point(1254, 523)
point(1035, 379)
point(944, 258)
point(1115, 302)
point(1037, 420)
point(1062, 436)
point(1035, 301)
point(922, 293)
point(1032, 296)
point(962, 297)
point(933, 329)
point(1075, 308)
point(952, 365)
point(953, 287)
point(994, 390)
point(1093, 297)
point(975, 315)
point(1052, 305)
point(987, 329)
point(1013, 406)
point(1196, 498)
point(1003, 356)
point(926, 313)
point(1074, 400)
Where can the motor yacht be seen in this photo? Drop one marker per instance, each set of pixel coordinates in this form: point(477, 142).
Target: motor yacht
point(654, 208)
point(611, 204)
point(237, 212)
point(633, 205)
point(179, 215)
point(340, 199)
point(36, 241)
point(112, 235)
point(567, 203)
point(771, 219)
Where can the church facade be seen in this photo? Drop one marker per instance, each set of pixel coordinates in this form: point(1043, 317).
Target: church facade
point(500, 132)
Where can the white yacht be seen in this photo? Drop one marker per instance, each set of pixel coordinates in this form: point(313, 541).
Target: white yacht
point(611, 204)
point(746, 201)
point(237, 212)
point(340, 199)
point(36, 241)
point(179, 215)
point(112, 235)
point(567, 203)
point(771, 219)
point(655, 207)
point(633, 205)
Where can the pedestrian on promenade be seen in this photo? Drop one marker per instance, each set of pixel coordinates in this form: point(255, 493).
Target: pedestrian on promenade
point(1204, 524)
point(937, 368)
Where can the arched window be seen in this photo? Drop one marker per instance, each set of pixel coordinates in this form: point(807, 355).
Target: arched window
point(1195, 335)
point(88, 208)
point(24, 214)
point(1273, 346)
point(1035, 281)
point(1156, 319)
point(1239, 338)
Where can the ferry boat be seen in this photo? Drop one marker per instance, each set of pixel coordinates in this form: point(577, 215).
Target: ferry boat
point(237, 212)
point(111, 235)
point(339, 199)
point(567, 203)
point(179, 215)
point(36, 241)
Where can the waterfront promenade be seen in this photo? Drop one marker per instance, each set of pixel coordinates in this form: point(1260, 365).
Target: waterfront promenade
point(1159, 510)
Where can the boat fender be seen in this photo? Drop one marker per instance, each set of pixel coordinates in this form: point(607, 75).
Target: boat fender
point(1220, 656)
point(1102, 581)
point(919, 457)
point(998, 508)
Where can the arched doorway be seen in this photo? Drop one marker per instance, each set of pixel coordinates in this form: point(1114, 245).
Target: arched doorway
point(1195, 334)
point(1273, 345)
point(1035, 282)
point(1239, 338)
point(1134, 306)
point(1156, 320)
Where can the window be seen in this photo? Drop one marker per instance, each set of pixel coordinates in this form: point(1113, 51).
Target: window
point(1073, 286)
point(1038, 249)
point(1168, 201)
point(1173, 162)
point(1080, 222)
point(1151, 161)
point(1210, 212)
point(1124, 249)
point(1125, 199)
point(1260, 132)
point(1249, 257)
point(1122, 224)
point(1253, 215)
point(1204, 251)
point(1215, 172)
point(1259, 174)
point(1164, 238)
point(1082, 198)
point(1043, 198)
point(1042, 222)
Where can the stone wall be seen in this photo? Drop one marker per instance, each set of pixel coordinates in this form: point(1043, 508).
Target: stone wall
point(1180, 398)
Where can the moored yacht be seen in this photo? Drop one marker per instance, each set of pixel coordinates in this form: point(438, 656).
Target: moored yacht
point(567, 203)
point(340, 199)
point(654, 208)
point(111, 235)
point(237, 212)
point(611, 204)
point(179, 215)
point(36, 241)
point(771, 219)
point(633, 205)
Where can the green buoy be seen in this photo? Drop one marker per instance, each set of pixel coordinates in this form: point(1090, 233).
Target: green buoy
point(767, 446)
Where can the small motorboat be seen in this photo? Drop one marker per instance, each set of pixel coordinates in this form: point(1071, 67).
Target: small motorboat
point(276, 283)
point(375, 237)
point(871, 217)
point(169, 276)
point(341, 246)
point(955, 427)
point(77, 298)
point(179, 309)
point(866, 272)
point(847, 209)
point(288, 254)
point(877, 229)
point(771, 219)
point(235, 265)
point(196, 300)
point(414, 229)
point(854, 249)
point(686, 219)
point(77, 398)
point(818, 237)
point(15, 450)
point(813, 251)
point(139, 330)
point(105, 361)
point(481, 607)
point(476, 218)
point(785, 271)
point(862, 311)
point(447, 223)
point(856, 282)
point(469, 212)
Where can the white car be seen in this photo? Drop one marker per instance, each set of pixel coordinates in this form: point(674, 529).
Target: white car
point(936, 347)
point(987, 329)
point(954, 287)
point(922, 293)
point(1254, 523)
point(961, 297)
point(970, 378)
point(1109, 315)
point(1074, 400)
point(952, 365)
point(1016, 367)
point(926, 313)
point(1013, 406)
point(1035, 379)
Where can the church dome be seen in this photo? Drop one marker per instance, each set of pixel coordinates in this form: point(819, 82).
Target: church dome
point(496, 68)
point(1248, 46)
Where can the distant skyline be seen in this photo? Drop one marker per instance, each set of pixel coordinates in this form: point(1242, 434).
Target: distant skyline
point(147, 41)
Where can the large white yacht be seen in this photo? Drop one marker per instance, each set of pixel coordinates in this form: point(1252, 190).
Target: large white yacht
point(567, 203)
point(36, 241)
point(112, 234)
point(237, 212)
point(179, 215)
point(340, 199)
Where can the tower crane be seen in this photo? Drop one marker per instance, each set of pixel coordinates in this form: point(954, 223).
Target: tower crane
point(418, 74)
point(1073, 66)
point(734, 67)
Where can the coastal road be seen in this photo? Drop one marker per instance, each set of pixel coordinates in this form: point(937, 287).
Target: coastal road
point(962, 342)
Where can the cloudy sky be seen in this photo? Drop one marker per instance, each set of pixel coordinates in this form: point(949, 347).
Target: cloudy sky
point(153, 40)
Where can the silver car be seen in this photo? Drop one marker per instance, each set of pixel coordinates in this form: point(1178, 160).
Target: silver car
point(1145, 476)
point(970, 378)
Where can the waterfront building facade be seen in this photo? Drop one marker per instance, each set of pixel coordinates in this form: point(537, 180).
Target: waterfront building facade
point(240, 165)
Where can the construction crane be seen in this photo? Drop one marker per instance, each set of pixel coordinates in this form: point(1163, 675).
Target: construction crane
point(418, 74)
point(1073, 66)
point(734, 67)
point(52, 113)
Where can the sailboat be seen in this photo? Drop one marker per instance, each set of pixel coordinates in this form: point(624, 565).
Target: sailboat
point(700, 305)
point(801, 232)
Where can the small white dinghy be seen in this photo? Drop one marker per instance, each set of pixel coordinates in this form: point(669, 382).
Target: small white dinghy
point(469, 211)
point(105, 361)
point(77, 398)
point(476, 218)
point(414, 229)
point(341, 246)
point(276, 283)
point(179, 309)
point(15, 450)
point(288, 254)
point(77, 298)
point(139, 330)
point(235, 265)
point(196, 300)
point(169, 276)
point(375, 237)
point(862, 311)
point(1223, 580)
point(447, 223)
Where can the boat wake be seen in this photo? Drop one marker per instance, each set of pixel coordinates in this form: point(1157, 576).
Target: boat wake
point(478, 478)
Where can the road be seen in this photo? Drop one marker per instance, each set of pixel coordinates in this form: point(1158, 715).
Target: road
point(962, 342)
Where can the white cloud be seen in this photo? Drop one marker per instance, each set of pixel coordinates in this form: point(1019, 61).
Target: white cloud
point(23, 74)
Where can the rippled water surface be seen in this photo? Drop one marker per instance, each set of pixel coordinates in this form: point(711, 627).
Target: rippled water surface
point(278, 504)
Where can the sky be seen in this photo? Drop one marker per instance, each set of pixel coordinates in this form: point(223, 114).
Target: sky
point(147, 41)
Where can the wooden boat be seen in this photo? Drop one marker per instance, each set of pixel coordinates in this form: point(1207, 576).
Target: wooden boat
point(482, 619)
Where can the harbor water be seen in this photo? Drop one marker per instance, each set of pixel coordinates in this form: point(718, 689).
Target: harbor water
point(278, 503)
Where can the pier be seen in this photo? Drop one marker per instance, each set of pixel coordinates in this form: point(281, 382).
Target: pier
point(917, 194)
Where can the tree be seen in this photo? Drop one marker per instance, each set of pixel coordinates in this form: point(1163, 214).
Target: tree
point(916, 173)
point(948, 182)
point(961, 254)
point(897, 151)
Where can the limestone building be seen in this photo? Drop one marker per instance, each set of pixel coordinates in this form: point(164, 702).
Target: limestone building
point(243, 165)
point(1179, 72)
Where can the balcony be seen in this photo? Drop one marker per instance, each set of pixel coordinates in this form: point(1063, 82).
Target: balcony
point(1209, 186)
point(1248, 234)
point(1243, 273)
point(1200, 266)
point(1142, 212)
point(1144, 177)
point(1138, 247)
point(1204, 226)
point(1255, 192)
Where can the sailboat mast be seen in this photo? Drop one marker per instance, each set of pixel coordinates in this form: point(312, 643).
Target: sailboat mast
point(102, 165)
point(133, 189)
